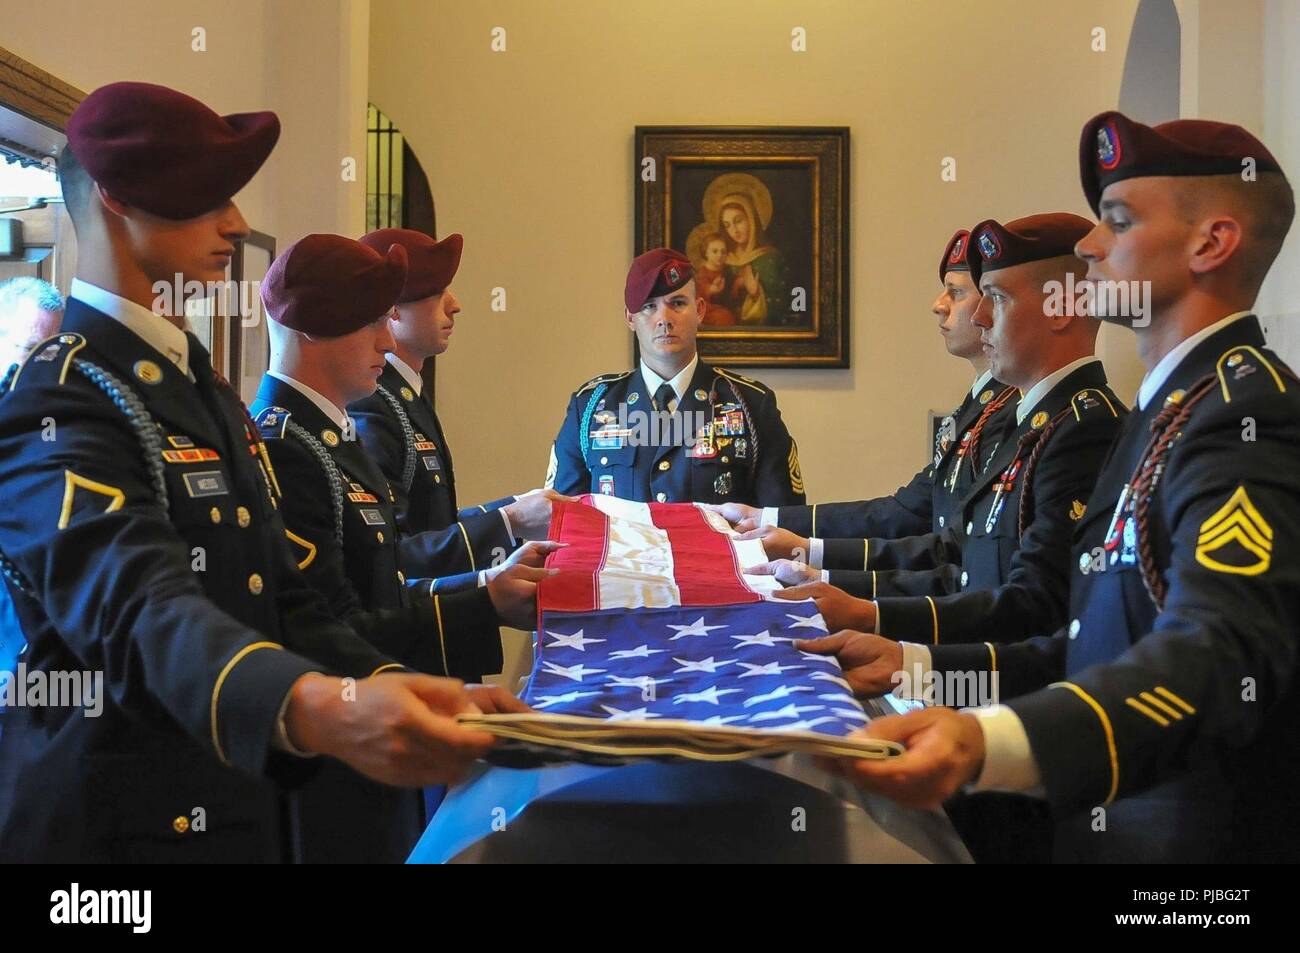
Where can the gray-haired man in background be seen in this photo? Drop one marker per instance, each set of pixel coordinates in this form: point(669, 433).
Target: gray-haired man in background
point(31, 310)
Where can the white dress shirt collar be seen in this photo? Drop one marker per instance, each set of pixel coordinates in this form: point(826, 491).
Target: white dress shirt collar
point(411, 376)
point(156, 331)
point(327, 406)
point(1157, 376)
point(679, 383)
point(981, 382)
point(1035, 394)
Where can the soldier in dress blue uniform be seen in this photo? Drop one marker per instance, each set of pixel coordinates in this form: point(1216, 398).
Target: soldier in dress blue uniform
point(402, 432)
point(675, 429)
point(931, 501)
point(144, 541)
point(1012, 538)
point(329, 299)
point(1160, 722)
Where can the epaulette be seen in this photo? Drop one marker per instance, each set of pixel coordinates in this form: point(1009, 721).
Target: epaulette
point(1092, 400)
point(272, 421)
point(742, 379)
point(1243, 361)
point(600, 379)
point(57, 351)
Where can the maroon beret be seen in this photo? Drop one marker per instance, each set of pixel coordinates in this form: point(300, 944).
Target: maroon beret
point(328, 285)
point(954, 254)
point(1114, 147)
point(431, 264)
point(165, 152)
point(655, 273)
point(1033, 238)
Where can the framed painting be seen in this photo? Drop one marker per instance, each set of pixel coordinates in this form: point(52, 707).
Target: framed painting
point(762, 212)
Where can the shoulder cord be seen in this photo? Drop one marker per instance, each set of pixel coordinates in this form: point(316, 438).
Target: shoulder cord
point(996, 404)
point(1037, 440)
point(257, 446)
point(584, 422)
point(127, 401)
point(408, 437)
point(146, 431)
point(332, 474)
point(1166, 427)
point(749, 419)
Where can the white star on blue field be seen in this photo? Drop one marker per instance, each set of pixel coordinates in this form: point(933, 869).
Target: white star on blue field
point(727, 665)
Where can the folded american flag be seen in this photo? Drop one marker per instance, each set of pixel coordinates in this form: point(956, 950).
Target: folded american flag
point(653, 643)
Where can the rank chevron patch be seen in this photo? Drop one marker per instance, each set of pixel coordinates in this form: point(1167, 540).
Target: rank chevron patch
point(73, 482)
point(1236, 538)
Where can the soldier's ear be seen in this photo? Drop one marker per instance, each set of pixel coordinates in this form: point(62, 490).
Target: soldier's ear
point(631, 320)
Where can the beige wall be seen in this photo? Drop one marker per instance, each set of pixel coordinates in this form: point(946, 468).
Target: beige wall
point(529, 153)
point(306, 59)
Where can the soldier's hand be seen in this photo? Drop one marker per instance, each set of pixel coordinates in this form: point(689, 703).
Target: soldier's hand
point(514, 594)
point(839, 609)
point(737, 513)
point(788, 572)
point(397, 728)
point(945, 750)
point(530, 514)
point(871, 663)
point(495, 700)
point(779, 543)
point(529, 554)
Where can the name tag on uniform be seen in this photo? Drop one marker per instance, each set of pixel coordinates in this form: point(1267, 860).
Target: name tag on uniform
point(205, 483)
point(373, 517)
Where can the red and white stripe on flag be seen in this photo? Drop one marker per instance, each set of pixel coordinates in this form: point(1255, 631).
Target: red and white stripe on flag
point(629, 555)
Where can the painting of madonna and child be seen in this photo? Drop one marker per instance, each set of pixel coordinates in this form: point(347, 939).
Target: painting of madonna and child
point(753, 223)
point(750, 253)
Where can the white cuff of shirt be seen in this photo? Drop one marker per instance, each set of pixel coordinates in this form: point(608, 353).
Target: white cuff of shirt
point(510, 530)
point(769, 516)
point(482, 578)
point(815, 553)
point(1008, 760)
point(281, 741)
point(916, 662)
point(825, 575)
point(876, 631)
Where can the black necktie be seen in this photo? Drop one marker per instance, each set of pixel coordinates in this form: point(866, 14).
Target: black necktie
point(664, 396)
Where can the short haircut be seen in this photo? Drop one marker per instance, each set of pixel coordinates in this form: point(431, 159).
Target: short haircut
point(37, 290)
point(76, 184)
point(1264, 206)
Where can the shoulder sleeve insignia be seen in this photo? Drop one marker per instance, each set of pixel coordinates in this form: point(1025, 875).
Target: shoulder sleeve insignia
point(1238, 363)
point(58, 350)
point(272, 421)
point(1090, 399)
point(1236, 538)
point(72, 482)
point(796, 475)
